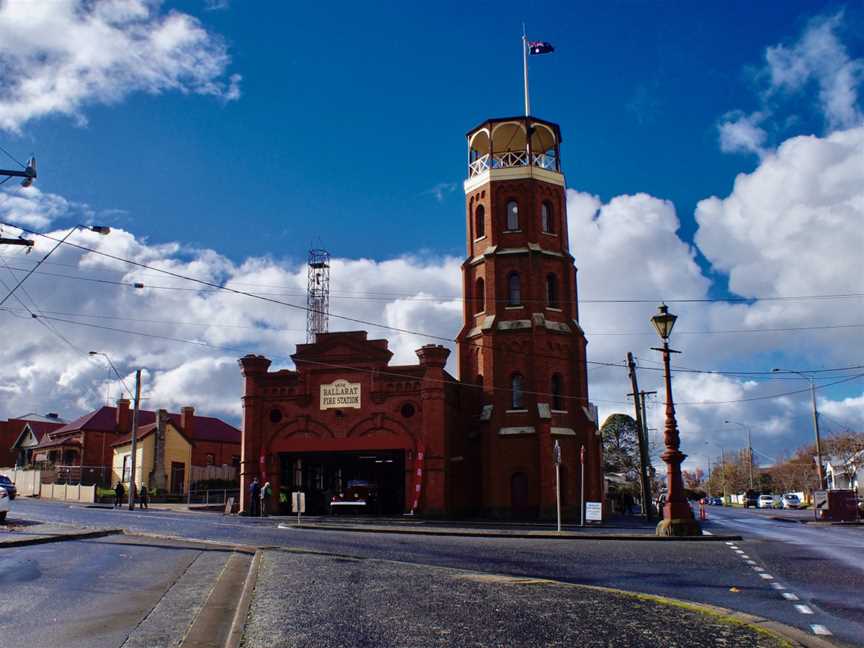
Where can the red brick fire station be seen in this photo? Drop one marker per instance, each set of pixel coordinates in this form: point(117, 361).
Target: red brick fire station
point(482, 443)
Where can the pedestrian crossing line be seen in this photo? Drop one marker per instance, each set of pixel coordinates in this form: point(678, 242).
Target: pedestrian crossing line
point(820, 630)
point(789, 596)
point(804, 609)
point(766, 576)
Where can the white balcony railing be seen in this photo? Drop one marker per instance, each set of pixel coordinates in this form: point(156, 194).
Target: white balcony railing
point(510, 159)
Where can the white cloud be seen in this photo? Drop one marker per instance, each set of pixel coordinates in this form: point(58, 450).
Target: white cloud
point(61, 55)
point(817, 58)
point(820, 57)
point(33, 208)
point(740, 133)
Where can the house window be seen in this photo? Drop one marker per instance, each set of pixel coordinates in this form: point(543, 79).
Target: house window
point(514, 290)
point(211, 459)
point(480, 296)
point(517, 387)
point(480, 222)
point(546, 220)
point(512, 215)
point(127, 468)
point(235, 461)
point(552, 291)
point(557, 389)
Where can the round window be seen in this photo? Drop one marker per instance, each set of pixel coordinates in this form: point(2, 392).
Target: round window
point(407, 410)
point(275, 415)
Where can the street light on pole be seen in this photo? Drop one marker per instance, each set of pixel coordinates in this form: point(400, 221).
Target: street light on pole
point(749, 450)
point(677, 516)
point(819, 471)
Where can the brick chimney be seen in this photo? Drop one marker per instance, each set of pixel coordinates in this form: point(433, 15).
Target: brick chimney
point(124, 416)
point(159, 478)
point(187, 419)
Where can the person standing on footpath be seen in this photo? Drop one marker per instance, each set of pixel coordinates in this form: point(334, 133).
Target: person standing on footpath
point(118, 495)
point(254, 497)
point(266, 494)
point(145, 496)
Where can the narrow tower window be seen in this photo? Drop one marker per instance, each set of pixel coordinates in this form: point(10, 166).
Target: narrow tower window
point(546, 220)
point(517, 386)
point(552, 291)
point(514, 290)
point(480, 222)
point(512, 215)
point(557, 389)
point(480, 296)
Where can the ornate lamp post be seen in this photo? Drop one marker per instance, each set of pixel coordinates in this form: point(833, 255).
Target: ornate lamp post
point(677, 516)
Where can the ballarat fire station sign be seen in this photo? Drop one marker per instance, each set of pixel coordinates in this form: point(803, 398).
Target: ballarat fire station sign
point(340, 393)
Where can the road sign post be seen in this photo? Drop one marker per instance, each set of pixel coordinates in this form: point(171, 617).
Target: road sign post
point(582, 486)
point(298, 504)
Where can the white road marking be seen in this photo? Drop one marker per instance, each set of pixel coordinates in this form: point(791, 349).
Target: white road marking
point(789, 596)
point(777, 586)
point(707, 533)
point(750, 562)
point(766, 576)
point(758, 569)
point(739, 551)
point(745, 556)
point(731, 544)
point(804, 609)
point(820, 629)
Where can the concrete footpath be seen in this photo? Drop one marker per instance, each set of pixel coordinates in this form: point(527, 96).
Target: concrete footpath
point(306, 599)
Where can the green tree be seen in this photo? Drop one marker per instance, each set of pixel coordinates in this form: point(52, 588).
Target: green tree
point(620, 437)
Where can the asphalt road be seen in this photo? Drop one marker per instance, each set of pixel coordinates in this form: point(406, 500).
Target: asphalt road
point(826, 583)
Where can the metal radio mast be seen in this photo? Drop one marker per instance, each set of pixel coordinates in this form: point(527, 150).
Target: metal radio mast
point(318, 294)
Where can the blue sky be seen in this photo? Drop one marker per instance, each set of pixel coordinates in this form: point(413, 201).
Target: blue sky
point(221, 140)
point(352, 115)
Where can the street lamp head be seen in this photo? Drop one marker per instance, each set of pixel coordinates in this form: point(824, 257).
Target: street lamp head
point(30, 173)
point(92, 353)
point(100, 229)
point(663, 321)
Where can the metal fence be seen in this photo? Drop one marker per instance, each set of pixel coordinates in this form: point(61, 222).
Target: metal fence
point(213, 496)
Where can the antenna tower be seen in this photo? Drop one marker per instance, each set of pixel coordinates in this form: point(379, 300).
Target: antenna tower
point(318, 294)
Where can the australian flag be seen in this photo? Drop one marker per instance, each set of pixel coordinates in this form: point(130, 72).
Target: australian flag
point(539, 47)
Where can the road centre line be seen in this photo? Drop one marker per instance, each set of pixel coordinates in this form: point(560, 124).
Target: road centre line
point(778, 586)
point(766, 576)
point(789, 596)
point(750, 562)
point(758, 569)
point(804, 609)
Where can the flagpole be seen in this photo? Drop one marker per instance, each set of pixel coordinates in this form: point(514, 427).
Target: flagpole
point(525, 69)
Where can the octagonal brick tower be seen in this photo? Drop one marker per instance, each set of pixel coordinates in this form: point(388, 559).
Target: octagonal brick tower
point(521, 343)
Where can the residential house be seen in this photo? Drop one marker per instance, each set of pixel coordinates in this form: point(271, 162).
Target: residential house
point(85, 447)
point(20, 435)
point(847, 474)
point(163, 457)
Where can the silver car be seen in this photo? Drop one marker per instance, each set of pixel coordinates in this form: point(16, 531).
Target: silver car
point(790, 501)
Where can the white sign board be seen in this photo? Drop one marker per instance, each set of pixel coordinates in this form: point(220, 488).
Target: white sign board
point(298, 502)
point(593, 511)
point(339, 394)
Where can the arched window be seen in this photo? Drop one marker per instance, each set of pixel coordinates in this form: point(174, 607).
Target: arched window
point(517, 387)
point(557, 389)
point(514, 290)
point(480, 296)
point(547, 223)
point(552, 291)
point(480, 222)
point(512, 215)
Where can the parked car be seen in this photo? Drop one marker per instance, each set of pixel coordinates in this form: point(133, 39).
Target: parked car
point(4, 504)
point(768, 501)
point(359, 495)
point(750, 499)
point(790, 501)
point(715, 501)
point(6, 483)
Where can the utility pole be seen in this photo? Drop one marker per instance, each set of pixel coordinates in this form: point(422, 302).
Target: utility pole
point(134, 438)
point(643, 440)
point(819, 470)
